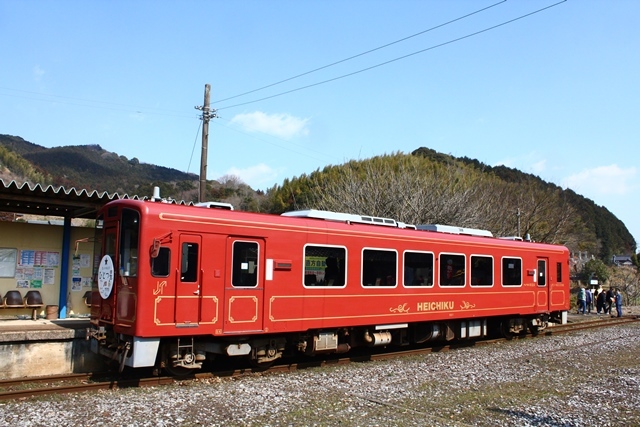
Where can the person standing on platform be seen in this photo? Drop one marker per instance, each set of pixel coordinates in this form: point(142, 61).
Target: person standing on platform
point(618, 299)
point(581, 300)
point(588, 300)
point(596, 292)
point(601, 302)
point(609, 301)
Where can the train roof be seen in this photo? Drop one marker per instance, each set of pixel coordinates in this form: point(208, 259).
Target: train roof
point(346, 217)
point(364, 219)
point(227, 211)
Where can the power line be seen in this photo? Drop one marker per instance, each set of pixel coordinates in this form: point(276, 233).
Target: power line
point(360, 54)
point(396, 59)
point(195, 141)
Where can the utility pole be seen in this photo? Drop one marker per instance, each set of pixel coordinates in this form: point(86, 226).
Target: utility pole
point(207, 114)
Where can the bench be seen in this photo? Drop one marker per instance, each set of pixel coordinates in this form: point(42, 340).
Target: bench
point(32, 300)
point(87, 298)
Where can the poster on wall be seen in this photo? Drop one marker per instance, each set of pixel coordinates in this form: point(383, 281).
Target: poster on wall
point(76, 284)
point(85, 260)
point(8, 258)
point(53, 259)
point(49, 276)
point(33, 258)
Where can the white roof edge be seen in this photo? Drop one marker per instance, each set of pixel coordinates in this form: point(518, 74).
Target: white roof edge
point(455, 230)
point(346, 217)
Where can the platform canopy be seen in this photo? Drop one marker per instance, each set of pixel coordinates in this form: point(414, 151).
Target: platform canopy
point(55, 201)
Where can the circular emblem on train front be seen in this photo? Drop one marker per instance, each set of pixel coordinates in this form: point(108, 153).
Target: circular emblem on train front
point(105, 277)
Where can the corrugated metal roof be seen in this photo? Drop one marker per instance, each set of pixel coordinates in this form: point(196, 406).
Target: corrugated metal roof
point(35, 199)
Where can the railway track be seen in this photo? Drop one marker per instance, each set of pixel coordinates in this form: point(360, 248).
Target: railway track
point(24, 388)
point(41, 386)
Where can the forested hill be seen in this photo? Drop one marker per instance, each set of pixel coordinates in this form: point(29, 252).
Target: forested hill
point(418, 188)
point(88, 167)
point(610, 233)
point(428, 187)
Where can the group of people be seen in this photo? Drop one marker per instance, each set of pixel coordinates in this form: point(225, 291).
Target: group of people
point(604, 301)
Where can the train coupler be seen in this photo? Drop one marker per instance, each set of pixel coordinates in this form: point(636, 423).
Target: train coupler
point(99, 334)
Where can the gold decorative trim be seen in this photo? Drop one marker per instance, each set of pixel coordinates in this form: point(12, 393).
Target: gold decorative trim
point(400, 309)
point(466, 305)
point(255, 316)
point(215, 318)
point(449, 309)
point(160, 287)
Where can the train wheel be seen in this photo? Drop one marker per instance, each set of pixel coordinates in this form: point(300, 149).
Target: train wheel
point(177, 371)
point(505, 329)
point(170, 356)
point(534, 329)
point(260, 366)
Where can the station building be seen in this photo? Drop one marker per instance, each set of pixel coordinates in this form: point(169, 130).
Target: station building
point(47, 250)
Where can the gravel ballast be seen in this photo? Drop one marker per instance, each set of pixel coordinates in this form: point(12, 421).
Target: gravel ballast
point(587, 378)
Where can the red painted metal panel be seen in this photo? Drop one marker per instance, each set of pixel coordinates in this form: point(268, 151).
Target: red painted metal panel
point(279, 302)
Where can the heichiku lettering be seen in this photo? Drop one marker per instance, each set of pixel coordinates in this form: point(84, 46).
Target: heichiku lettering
point(435, 305)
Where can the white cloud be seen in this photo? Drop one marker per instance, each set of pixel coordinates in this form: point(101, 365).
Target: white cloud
point(38, 72)
point(255, 176)
point(603, 180)
point(281, 125)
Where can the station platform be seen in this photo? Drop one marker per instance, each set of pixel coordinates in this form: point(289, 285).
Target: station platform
point(42, 329)
point(45, 347)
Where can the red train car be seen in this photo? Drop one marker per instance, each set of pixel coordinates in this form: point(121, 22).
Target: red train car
point(177, 285)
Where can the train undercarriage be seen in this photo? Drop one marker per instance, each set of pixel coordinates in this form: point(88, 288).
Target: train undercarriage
point(183, 355)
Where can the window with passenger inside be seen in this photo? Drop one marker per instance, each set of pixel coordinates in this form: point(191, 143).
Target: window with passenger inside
point(452, 270)
point(325, 265)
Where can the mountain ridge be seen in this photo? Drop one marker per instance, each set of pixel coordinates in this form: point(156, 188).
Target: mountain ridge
point(91, 167)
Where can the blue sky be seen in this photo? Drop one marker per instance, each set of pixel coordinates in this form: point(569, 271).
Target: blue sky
point(555, 93)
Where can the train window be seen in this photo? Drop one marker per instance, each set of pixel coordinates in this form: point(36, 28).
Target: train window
point(559, 271)
point(379, 267)
point(511, 271)
point(245, 264)
point(110, 243)
point(542, 272)
point(189, 267)
point(324, 265)
point(418, 269)
point(481, 270)
point(452, 270)
point(160, 264)
point(129, 229)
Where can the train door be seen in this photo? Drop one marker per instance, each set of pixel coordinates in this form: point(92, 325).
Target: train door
point(188, 284)
point(543, 288)
point(244, 285)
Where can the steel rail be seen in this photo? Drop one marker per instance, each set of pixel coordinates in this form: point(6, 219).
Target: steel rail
point(156, 381)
